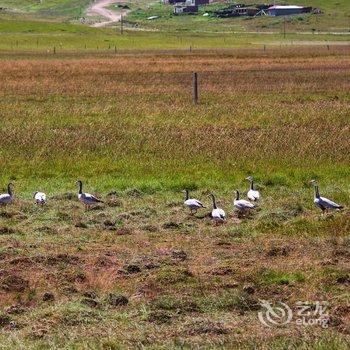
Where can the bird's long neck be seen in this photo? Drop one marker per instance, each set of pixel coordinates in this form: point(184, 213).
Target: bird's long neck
point(252, 185)
point(9, 190)
point(80, 187)
point(237, 195)
point(214, 202)
point(317, 192)
point(187, 195)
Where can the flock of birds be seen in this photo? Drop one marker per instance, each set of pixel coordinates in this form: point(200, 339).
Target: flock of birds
point(217, 214)
point(253, 195)
point(41, 198)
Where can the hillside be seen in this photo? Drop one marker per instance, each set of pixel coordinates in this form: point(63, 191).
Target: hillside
point(54, 27)
point(335, 18)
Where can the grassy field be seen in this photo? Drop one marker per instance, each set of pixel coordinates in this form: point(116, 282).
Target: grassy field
point(32, 35)
point(58, 9)
point(55, 25)
point(137, 271)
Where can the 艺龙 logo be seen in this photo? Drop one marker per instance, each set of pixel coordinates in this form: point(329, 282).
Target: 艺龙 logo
point(274, 315)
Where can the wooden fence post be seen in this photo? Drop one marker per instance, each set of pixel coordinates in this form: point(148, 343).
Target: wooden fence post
point(195, 87)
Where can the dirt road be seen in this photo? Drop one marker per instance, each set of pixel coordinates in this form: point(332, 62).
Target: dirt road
point(100, 8)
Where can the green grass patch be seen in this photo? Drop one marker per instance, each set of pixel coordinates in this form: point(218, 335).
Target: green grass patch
point(275, 277)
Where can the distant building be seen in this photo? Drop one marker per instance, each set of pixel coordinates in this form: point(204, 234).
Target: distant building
point(246, 11)
point(188, 2)
point(236, 11)
point(179, 9)
point(197, 2)
point(188, 6)
point(281, 10)
point(173, 2)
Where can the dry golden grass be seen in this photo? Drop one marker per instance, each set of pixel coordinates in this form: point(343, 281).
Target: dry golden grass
point(281, 106)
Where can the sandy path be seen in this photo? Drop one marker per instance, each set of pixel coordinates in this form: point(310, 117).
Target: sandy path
point(99, 8)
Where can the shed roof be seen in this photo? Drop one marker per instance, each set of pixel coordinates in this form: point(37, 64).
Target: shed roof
point(285, 7)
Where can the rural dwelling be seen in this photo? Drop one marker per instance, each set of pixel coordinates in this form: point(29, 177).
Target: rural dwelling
point(180, 9)
point(197, 2)
point(236, 11)
point(173, 2)
point(287, 10)
point(246, 11)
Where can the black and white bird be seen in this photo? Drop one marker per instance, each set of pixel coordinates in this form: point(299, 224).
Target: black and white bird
point(6, 198)
point(252, 194)
point(241, 204)
point(217, 214)
point(40, 198)
point(192, 204)
point(86, 198)
point(322, 202)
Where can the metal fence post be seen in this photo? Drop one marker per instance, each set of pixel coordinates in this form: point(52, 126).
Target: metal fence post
point(195, 87)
